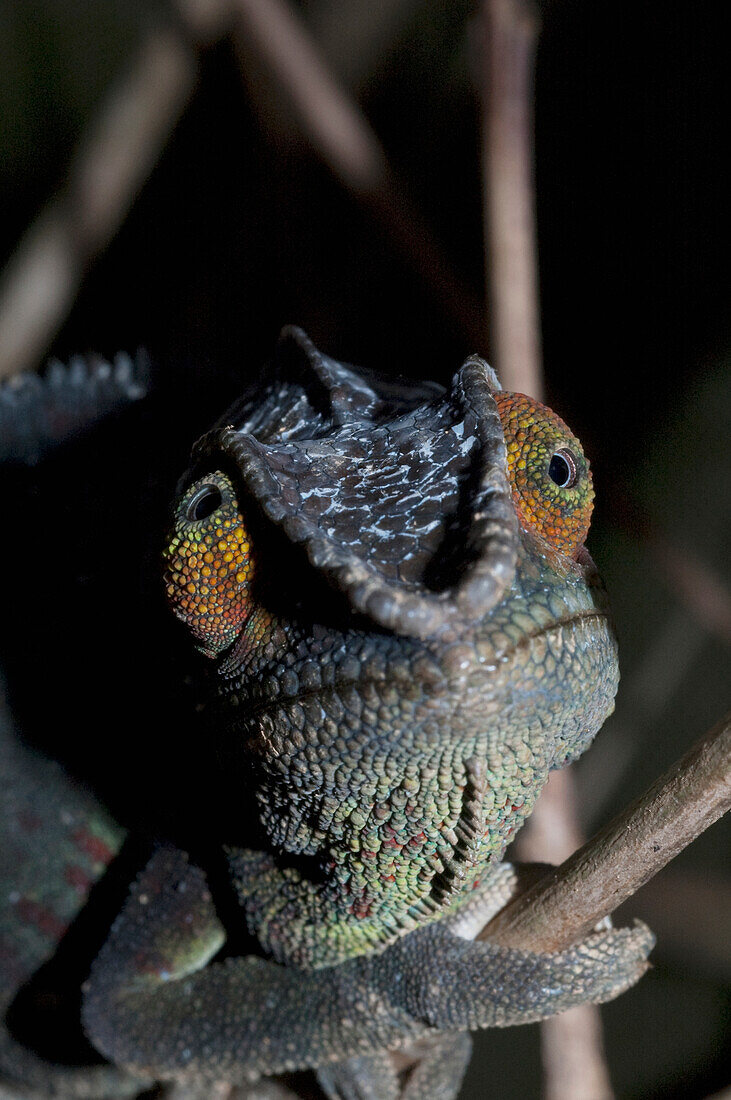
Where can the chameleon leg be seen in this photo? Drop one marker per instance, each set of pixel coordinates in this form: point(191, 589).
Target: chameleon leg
point(454, 984)
point(436, 1076)
point(154, 1005)
point(367, 1077)
point(55, 843)
point(439, 1072)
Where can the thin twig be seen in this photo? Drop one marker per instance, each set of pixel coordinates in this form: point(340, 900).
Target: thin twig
point(340, 133)
point(43, 277)
point(572, 1045)
point(565, 904)
point(572, 1056)
point(115, 157)
point(552, 832)
point(509, 36)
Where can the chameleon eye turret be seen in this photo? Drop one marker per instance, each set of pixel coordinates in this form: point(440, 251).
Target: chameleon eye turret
point(549, 476)
point(209, 564)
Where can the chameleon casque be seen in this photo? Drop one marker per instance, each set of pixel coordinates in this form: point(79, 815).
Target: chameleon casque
point(401, 634)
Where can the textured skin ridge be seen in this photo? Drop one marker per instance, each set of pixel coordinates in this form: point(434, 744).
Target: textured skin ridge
point(419, 465)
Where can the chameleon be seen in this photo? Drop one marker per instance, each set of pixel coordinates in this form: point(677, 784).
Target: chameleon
point(399, 632)
point(38, 414)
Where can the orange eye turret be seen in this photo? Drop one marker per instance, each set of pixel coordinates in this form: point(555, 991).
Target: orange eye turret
point(209, 563)
point(549, 475)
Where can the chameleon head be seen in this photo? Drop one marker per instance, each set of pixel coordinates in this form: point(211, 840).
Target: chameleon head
point(210, 563)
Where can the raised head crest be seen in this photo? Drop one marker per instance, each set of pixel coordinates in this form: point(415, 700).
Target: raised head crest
point(397, 492)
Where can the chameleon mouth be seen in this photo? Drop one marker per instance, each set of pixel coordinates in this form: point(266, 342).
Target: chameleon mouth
point(557, 612)
point(313, 680)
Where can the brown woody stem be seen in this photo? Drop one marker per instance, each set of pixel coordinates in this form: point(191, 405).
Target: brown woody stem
point(341, 134)
point(566, 903)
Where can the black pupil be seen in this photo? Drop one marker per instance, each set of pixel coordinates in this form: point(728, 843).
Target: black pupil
point(205, 503)
point(560, 470)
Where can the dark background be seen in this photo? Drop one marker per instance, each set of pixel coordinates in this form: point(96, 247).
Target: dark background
point(242, 228)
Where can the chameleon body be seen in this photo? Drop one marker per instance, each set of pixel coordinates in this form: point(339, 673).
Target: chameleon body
point(404, 635)
point(37, 414)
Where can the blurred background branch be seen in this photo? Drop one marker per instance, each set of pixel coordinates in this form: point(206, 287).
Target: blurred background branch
point(126, 138)
point(115, 157)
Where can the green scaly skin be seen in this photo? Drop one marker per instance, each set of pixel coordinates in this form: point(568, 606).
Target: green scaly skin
point(404, 767)
point(54, 849)
point(56, 840)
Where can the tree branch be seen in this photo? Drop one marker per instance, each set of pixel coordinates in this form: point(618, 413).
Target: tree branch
point(43, 277)
point(566, 903)
point(116, 155)
point(571, 1045)
point(339, 132)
